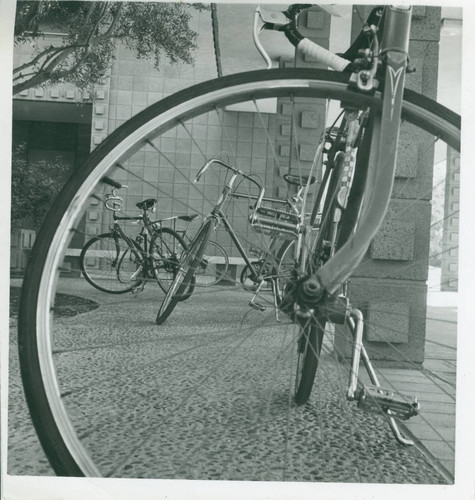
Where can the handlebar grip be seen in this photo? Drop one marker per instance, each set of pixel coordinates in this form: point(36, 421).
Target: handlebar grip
point(112, 182)
point(322, 55)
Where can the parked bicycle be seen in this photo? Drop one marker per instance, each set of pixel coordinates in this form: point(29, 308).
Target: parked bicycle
point(116, 263)
point(259, 274)
point(214, 265)
point(217, 368)
point(253, 276)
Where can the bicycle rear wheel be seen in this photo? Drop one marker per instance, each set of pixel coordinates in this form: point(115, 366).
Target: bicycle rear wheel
point(213, 266)
point(240, 363)
point(109, 264)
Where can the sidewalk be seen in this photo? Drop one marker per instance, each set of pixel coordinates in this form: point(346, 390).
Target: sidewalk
point(434, 386)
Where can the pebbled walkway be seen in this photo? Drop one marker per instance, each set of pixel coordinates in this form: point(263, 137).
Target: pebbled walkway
point(215, 436)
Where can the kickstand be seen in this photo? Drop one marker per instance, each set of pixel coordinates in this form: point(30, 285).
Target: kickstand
point(356, 323)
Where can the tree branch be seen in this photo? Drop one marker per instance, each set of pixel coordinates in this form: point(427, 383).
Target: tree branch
point(21, 76)
point(57, 59)
point(46, 72)
point(114, 21)
point(92, 7)
point(36, 81)
point(63, 74)
point(37, 58)
point(96, 25)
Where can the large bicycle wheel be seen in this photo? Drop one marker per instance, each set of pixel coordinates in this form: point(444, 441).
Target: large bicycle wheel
point(180, 400)
point(110, 265)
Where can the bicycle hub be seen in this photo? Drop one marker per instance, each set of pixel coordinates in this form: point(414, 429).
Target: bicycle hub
point(309, 292)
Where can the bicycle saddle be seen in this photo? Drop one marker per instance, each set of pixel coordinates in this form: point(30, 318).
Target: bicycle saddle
point(146, 204)
point(187, 218)
point(299, 180)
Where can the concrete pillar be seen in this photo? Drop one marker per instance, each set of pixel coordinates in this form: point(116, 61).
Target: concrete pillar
point(449, 253)
point(390, 284)
point(299, 132)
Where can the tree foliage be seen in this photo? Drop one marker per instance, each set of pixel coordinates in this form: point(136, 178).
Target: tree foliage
point(34, 187)
point(83, 52)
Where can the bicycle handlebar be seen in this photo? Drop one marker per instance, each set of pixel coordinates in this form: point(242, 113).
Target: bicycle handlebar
point(219, 162)
point(234, 170)
point(286, 21)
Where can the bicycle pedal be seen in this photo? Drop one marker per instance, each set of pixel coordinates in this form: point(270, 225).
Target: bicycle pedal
point(256, 306)
point(376, 399)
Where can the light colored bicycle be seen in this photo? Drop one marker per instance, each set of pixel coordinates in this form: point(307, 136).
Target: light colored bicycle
point(211, 392)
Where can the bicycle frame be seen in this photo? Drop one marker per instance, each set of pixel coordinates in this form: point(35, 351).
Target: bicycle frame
point(145, 250)
point(218, 216)
point(382, 157)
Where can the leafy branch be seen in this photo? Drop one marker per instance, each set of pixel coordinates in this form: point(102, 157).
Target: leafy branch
point(91, 32)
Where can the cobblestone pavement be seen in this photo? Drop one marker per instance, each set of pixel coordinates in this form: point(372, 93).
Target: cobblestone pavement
point(173, 417)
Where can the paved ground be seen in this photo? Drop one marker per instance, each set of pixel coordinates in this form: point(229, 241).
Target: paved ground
point(328, 439)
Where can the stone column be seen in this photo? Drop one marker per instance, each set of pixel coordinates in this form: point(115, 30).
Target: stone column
point(390, 284)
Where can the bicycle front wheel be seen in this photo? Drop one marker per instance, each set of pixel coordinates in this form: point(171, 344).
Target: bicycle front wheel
point(109, 264)
point(309, 333)
point(93, 416)
point(167, 249)
point(180, 288)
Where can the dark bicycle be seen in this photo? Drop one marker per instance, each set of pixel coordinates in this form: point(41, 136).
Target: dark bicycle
point(115, 262)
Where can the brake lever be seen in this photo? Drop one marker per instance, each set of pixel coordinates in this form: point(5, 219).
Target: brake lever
point(267, 20)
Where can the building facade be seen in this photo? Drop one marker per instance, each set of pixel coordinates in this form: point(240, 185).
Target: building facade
point(390, 284)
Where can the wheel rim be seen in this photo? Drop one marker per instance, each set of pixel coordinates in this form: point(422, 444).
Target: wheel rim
point(48, 282)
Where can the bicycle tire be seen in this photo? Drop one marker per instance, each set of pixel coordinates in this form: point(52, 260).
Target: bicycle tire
point(310, 338)
point(309, 348)
point(52, 422)
point(99, 275)
point(209, 275)
point(169, 253)
point(180, 287)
